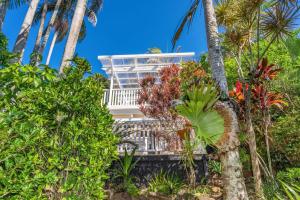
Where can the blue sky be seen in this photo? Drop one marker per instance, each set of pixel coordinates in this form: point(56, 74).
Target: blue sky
point(124, 27)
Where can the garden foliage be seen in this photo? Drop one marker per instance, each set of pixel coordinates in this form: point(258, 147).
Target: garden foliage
point(56, 138)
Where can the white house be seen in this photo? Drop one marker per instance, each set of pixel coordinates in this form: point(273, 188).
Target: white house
point(125, 72)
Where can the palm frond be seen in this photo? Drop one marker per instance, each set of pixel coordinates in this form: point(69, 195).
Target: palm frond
point(187, 20)
point(279, 21)
point(82, 32)
point(38, 14)
point(96, 5)
point(92, 17)
point(11, 4)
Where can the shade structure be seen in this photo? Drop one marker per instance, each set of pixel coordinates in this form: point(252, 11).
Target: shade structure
point(125, 71)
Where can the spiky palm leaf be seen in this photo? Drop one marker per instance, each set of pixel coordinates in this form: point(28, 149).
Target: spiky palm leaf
point(207, 123)
point(278, 21)
point(187, 20)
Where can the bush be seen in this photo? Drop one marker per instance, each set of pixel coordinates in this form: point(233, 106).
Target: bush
point(165, 184)
point(56, 138)
point(286, 137)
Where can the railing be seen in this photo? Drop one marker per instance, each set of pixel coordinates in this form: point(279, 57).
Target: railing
point(121, 98)
point(147, 136)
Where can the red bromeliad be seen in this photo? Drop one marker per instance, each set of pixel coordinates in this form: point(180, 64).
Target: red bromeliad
point(260, 96)
point(265, 71)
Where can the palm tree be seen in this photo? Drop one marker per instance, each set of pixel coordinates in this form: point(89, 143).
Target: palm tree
point(76, 25)
point(61, 29)
point(63, 11)
point(48, 29)
point(234, 185)
point(34, 57)
point(4, 4)
point(21, 41)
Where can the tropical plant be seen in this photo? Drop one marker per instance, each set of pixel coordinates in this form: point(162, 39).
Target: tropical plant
point(22, 37)
point(198, 109)
point(218, 74)
point(56, 138)
point(124, 170)
point(164, 183)
point(187, 157)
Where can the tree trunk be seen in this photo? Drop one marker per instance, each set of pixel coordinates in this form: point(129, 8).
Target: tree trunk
point(3, 8)
point(266, 134)
point(50, 25)
point(232, 175)
point(74, 33)
point(20, 43)
point(252, 147)
point(51, 47)
point(35, 58)
point(213, 44)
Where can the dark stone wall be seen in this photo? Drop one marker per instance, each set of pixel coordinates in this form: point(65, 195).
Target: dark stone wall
point(150, 165)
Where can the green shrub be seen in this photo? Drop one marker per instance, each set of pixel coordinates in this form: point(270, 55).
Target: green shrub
point(286, 136)
point(56, 139)
point(165, 184)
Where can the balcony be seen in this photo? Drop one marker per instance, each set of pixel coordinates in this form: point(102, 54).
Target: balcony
point(125, 73)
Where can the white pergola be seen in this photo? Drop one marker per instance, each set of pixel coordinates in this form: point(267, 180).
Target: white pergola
point(125, 71)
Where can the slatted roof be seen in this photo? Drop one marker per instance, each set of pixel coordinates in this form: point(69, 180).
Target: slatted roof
point(127, 70)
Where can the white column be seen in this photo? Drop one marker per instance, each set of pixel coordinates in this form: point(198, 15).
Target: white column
point(111, 83)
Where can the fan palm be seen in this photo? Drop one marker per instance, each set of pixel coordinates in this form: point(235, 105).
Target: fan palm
point(207, 123)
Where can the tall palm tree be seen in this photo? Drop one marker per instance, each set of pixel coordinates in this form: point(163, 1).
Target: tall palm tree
point(49, 27)
point(4, 4)
point(34, 57)
point(21, 41)
point(234, 185)
point(63, 12)
point(61, 29)
point(76, 26)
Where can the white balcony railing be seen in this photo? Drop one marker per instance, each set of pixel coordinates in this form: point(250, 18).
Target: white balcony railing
point(121, 98)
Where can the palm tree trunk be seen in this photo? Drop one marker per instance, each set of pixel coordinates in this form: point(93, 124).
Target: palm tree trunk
point(213, 44)
point(51, 47)
point(51, 23)
point(3, 8)
point(74, 33)
point(234, 185)
point(37, 44)
point(21, 41)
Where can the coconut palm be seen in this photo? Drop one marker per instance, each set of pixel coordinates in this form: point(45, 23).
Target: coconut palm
point(34, 57)
point(63, 12)
point(75, 30)
point(4, 4)
point(61, 29)
point(21, 40)
point(234, 185)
